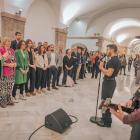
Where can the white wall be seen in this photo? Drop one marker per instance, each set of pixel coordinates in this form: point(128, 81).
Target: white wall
point(40, 20)
point(90, 43)
point(78, 29)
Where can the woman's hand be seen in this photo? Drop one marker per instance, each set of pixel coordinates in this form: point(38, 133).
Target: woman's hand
point(33, 66)
point(12, 65)
point(15, 65)
point(23, 71)
point(44, 68)
point(7, 54)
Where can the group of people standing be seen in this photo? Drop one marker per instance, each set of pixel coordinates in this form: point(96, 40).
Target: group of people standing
point(21, 63)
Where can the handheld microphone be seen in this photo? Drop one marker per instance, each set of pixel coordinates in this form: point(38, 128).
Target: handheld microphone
point(102, 58)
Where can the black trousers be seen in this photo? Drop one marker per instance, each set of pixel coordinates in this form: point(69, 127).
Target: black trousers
point(31, 76)
point(129, 67)
point(21, 86)
point(75, 72)
point(135, 133)
point(58, 74)
point(40, 78)
point(122, 67)
point(82, 71)
point(93, 70)
point(97, 71)
point(108, 88)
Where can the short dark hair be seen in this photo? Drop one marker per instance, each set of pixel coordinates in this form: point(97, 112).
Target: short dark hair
point(46, 42)
point(39, 50)
point(16, 33)
point(39, 42)
point(20, 43)
point(113, 46)
point(36, 49)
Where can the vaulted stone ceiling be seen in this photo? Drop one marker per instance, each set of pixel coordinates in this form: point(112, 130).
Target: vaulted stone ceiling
point(68, 10)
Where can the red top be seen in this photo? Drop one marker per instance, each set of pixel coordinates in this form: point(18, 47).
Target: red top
point(6, 69)
point(94, 58)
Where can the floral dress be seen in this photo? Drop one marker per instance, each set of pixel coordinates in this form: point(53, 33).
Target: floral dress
point(6, 86)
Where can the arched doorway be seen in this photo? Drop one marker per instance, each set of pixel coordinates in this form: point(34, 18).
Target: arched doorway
point(79, 45)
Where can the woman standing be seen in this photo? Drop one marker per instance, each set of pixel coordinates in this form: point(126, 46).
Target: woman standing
point(94, 66)
point(68, 64)
point(137, 57)
point(96, 63)
point(130, 60)
point(21, 69)
point(41, 67)
point(32, 67)
point(6, 82)
point(90, 64)
point(83, 64)
point(123, 63)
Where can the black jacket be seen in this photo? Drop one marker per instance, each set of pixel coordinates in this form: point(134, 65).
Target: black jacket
point(14, 45)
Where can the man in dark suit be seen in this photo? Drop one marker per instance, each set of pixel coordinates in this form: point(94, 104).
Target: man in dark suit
point(76, 57)
point(14, 42)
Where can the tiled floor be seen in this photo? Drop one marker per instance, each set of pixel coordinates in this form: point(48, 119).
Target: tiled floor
point(18, 122)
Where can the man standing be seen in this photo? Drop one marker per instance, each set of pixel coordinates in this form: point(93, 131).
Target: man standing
point(60, 55)
point(39, 44)
point(74, 55)
point(14, 42)
point(53, 63)
point(109, 83)
point(79, 63)
point(45, 44)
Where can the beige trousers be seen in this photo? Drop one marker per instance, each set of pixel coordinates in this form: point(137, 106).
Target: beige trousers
point(78, 71)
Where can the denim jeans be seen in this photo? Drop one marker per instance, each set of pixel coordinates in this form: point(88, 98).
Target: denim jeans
point(52, 71)
point(66, 72)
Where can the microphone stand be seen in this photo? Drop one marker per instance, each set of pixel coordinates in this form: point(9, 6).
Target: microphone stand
point(96, 119)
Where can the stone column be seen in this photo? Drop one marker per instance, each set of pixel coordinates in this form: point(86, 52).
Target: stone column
point(60, 39)
point(100, 44)
point(11, 24)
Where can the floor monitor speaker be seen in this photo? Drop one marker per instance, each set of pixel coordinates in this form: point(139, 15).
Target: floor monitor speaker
point(58, 121)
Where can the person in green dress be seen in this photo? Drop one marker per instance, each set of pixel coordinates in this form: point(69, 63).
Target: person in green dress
point(21, 70)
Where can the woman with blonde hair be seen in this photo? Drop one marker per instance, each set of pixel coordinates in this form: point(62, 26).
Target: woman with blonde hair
point(6, 82)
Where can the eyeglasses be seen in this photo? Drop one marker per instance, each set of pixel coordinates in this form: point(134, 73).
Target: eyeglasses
point(23, 44)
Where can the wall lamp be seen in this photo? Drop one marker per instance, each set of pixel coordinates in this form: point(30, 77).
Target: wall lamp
point(19, 13)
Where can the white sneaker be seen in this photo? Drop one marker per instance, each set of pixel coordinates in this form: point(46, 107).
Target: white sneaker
point(14, 100)
point(22, 97)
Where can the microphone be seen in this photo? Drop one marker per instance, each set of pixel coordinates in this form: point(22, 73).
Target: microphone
point(102, 58)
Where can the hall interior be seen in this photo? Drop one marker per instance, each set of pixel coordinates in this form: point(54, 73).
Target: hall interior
point(87, 24)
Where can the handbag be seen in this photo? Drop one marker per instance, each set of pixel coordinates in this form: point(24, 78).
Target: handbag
point(123, 63)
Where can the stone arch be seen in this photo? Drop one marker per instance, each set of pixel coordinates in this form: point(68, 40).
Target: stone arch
point(79, 45)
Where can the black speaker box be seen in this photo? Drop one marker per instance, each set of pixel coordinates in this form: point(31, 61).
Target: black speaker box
point(58, 121)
